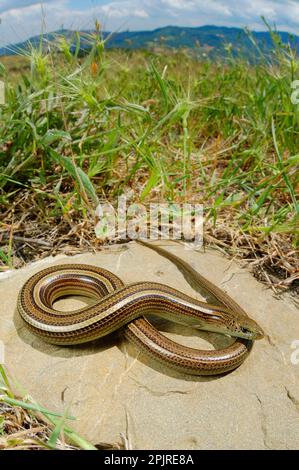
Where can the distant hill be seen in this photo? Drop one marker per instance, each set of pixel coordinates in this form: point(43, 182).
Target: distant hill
point(204, 40)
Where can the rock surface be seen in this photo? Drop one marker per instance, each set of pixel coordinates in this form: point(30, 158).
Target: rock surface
point(116, 392)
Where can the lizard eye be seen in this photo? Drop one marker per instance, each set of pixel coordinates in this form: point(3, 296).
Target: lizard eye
point(244, 330)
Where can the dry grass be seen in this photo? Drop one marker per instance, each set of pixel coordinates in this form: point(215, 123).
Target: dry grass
point(273, 258)
point(21, 430)
point(24, 425)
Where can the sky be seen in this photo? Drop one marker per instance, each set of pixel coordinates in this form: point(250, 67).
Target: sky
point(21, 19)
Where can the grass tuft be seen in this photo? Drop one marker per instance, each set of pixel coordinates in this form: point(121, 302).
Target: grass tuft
point(160, 125)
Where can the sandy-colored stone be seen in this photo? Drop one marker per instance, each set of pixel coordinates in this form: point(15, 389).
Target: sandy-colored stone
point(115, 391)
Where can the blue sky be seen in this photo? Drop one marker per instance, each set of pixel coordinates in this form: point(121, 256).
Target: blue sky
point(21, 19)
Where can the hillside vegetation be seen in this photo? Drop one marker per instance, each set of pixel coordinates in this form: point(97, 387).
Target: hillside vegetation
point(202, 41)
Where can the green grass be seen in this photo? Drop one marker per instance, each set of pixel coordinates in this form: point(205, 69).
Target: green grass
point(26, 425)
point(163, 125)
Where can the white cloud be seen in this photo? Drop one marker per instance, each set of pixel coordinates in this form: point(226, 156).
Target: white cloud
point(124, 9)
point(179, 4)
point(6, 5)
point(220, 8)
point(17, 23)
point(20, 22)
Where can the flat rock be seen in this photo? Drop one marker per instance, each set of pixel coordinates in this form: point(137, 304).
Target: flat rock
point(115, 392)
